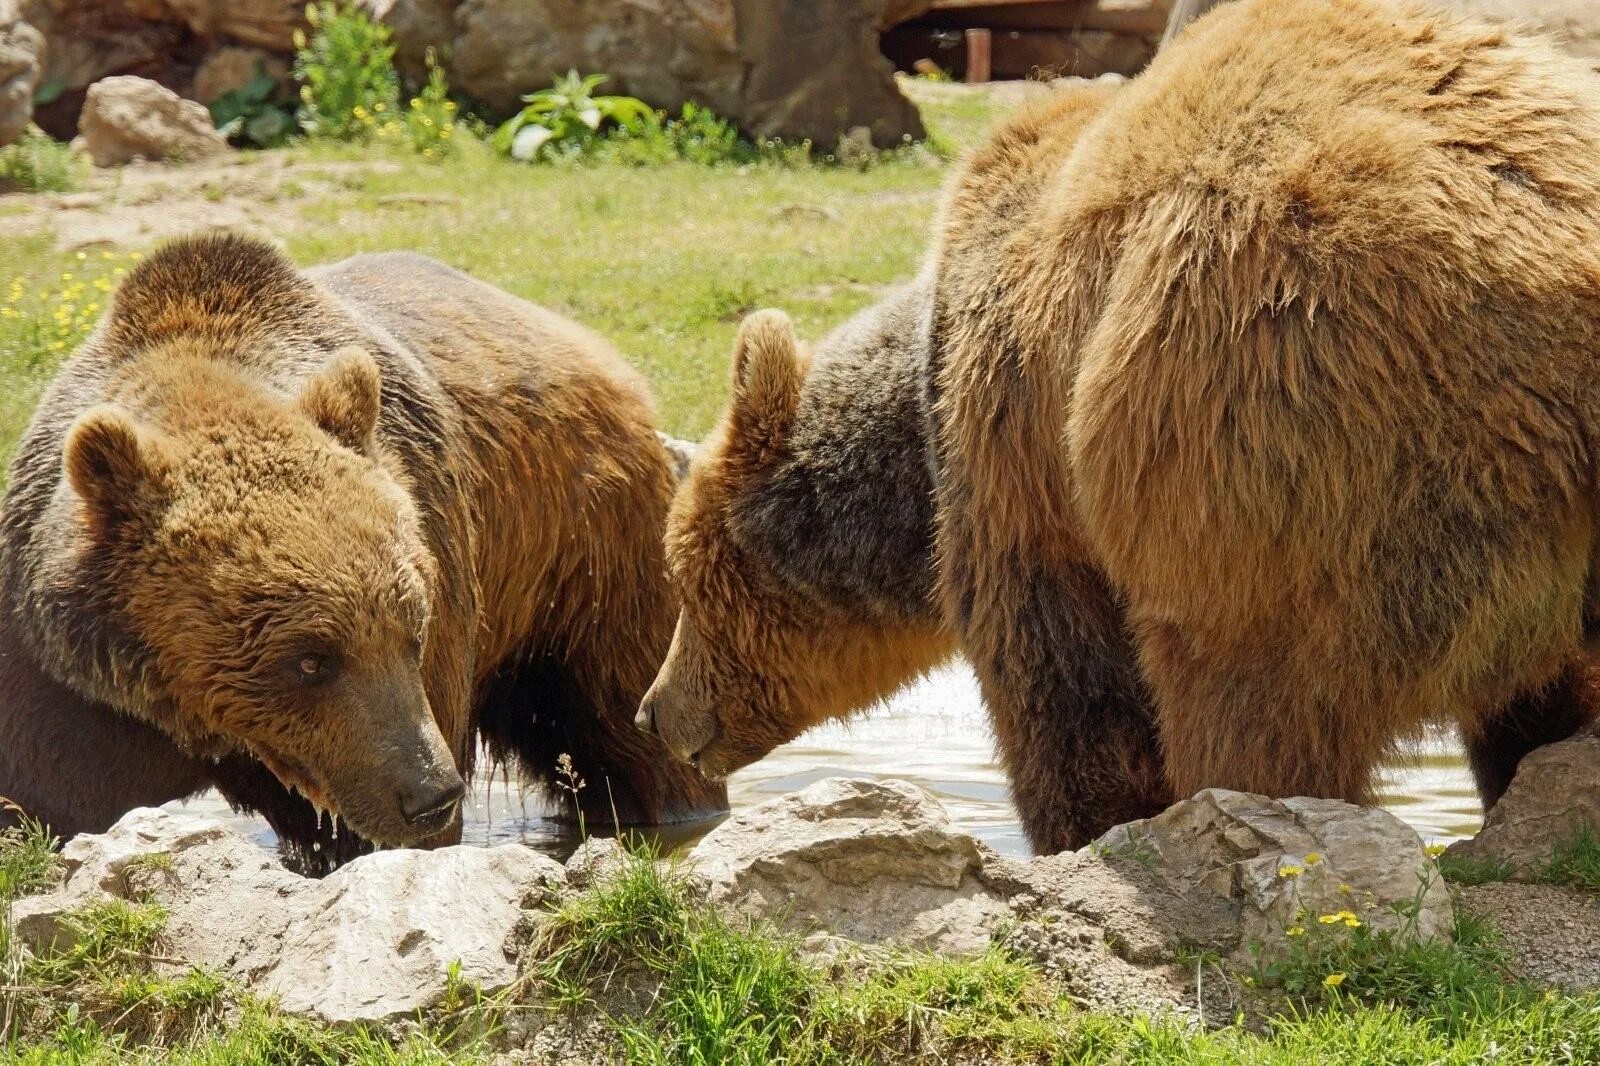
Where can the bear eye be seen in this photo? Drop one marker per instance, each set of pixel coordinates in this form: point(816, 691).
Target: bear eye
point(314, 667)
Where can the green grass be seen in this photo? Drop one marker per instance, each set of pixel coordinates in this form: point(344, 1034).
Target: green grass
point(1574, 862)
point(38, 163)
point(661, 260)
point(1467, 870)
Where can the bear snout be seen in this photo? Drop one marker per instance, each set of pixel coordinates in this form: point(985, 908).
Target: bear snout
point(429, 804)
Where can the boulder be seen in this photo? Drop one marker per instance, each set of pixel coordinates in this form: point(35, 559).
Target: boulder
point(369, 943)
point(1281, 863)
point(1555, 795)
point(21, 57)
point(790, 68)
point(263, 23)
point(127, 118)
point(867, 861)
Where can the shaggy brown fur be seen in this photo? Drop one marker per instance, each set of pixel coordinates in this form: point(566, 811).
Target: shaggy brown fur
point(336, 524)
point(1264, 389)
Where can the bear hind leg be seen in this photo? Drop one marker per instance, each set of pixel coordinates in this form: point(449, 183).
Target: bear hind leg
point(1553, 712)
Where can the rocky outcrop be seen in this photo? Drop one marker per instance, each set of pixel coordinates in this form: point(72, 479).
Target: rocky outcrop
point(852, 867)
point(860, 860)
point(127, 118)
point(1279, 863)
point(881, 863)
point(1554, 796)
point(372, 942)
point(793, 68)
point(21, 52)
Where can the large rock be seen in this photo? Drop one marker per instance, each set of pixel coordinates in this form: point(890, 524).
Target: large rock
point(1554, 796)
point(371, 942)
point(1280, 863)
point(127, 118)
point(871, 862)
point(21, 51)
point(791, 68)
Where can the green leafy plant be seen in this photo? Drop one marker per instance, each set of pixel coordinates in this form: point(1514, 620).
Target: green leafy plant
point(348, 87)
point(430, 121)
point(38, 163)
point(253, 114)
point(567, 115)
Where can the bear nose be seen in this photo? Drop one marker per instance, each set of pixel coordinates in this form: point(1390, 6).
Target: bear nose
point(646, 718)
point(429, 801)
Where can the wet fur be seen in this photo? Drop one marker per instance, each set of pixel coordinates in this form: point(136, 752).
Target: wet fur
point(526, 448)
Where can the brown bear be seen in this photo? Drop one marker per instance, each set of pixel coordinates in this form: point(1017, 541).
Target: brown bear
point(309, 536)
point(1261, 394)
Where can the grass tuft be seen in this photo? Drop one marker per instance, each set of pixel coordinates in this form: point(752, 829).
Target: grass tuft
point(1574, 862)
point(37, 162)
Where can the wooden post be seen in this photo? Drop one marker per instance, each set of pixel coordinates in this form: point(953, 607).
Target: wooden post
point(978, 55)
point(1183, 13)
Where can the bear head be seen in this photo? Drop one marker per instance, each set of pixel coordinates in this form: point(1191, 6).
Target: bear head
point(269, 564)
point(760, 654)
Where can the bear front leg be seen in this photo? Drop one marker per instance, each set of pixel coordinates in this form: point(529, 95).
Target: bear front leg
point(1497, 743)
point(75, 765)
point(1073, 720)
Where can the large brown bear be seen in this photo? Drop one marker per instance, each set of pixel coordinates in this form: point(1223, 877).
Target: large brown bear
point(1263, 403)
point(318, 532)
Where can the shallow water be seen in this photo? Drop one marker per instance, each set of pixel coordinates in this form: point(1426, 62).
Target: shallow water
point(934, 733)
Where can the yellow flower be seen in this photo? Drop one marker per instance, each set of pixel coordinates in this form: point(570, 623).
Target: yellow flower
point(1333, 980)
point(1435, 850)
point(1289, 870)
point(1296, 930)
point(1353, 922)
point(1344, 888)
point(1313, 857)
point(1328, 919)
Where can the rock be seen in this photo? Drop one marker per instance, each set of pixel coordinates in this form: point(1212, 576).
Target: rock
point(263, 23)
point(1280, 863)
point(127, 118)
point(1548, 932)
point(679, 452)
point(230, 68)
point(872, 862)
point(382, 930)
point(21, 56)
point(371, 942)
point(1555, 794)
point(789, 68)
point(596, 860)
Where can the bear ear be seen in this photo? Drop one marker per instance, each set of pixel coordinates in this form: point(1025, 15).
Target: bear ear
point(343, 398)
point(769, 369)
point(112, 464)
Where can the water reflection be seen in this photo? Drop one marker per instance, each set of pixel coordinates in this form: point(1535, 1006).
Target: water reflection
point(934, 733)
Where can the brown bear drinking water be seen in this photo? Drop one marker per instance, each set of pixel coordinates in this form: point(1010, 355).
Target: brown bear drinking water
point(320, 531)
point(1263, 401)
